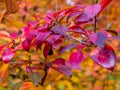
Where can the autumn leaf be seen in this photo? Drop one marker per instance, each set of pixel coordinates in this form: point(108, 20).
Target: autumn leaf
point(105, 57)
point(35, 77)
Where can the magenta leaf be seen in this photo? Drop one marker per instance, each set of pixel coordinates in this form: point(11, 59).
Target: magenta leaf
point(73, 14)
point(41, 37)
point(53, 38)
point(59, 61)
point(33, 24)
point(7, 55)
point(77, 29)
point(63, 69)
point(14, 35)
point(60, 29)
point(49, 17)
point(65, 48)
point(25, 45)
point(99, 38)
point(83, 18)
point(92, 10)
point(105, 57)
point(31, 35)
point(59, 65)
point(75, 59)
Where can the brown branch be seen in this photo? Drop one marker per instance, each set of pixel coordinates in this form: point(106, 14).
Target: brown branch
point(43, 79)
point(29, 64)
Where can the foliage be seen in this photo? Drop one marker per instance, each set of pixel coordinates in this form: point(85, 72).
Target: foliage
point(55, 44)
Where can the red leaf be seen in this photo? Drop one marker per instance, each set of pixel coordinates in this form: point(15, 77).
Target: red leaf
point(57, 43)
point(7, 55)
point(105, 57)
point(104, 3)
point(46, 50)
point(25, 45)
point(41, 36)
point(59, 61)
point(59, 29)
point(75, 59)
point(92, 10)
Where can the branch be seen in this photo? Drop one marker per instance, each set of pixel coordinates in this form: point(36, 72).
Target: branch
point(43, 79)
point(95, 25)
point(30, 63)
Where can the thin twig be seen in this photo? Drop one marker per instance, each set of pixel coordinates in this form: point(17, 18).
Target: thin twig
point(95, 25)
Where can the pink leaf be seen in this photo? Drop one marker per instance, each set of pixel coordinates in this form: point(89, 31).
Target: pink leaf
point(33, 24)
point(31, 35)
point(25, 45)
point(63, 69)
point(49, 17)
point(53, 38)
point(59, 29)
point(59, 65)
point(83, 18)
point(73, 14)
point(92, 10)
point(75, 59)
point(77, 29)
point(14, 35)
point(99, 38)
point(65, 48)
point(41, 36)
point(7, 55)
point(105, 57)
